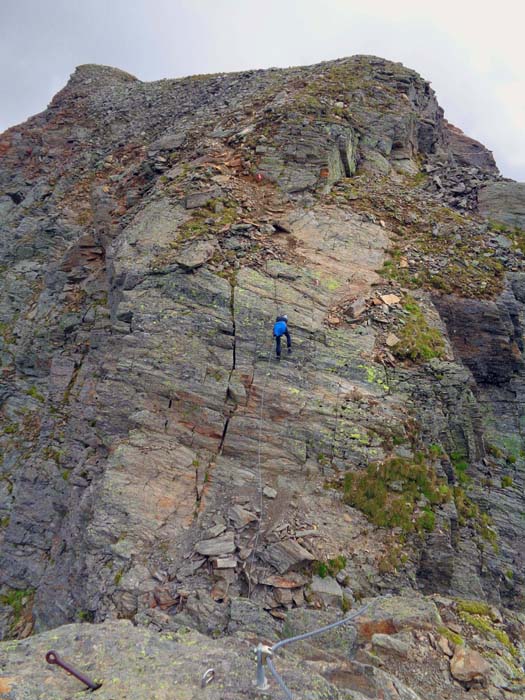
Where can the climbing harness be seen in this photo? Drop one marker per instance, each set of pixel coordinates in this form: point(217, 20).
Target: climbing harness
point(264, 653)
point(53, 658)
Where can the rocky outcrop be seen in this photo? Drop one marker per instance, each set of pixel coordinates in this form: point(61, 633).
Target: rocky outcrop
point(158, 465)
point(503, 202)
point(469, 667)
point(135, 661)
point(466, 151)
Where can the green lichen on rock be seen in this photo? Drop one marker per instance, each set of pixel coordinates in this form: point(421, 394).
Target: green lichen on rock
point(139, 663)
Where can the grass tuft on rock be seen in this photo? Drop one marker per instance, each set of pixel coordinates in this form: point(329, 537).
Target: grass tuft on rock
point(451, 636)
point(388, 493)
point(18, 601)
point(329, 568)
point(469, 513)
point(418, 341)
point(506, 481)
point(485, 625)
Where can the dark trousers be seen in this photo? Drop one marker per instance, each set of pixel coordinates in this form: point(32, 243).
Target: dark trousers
point(278, 342)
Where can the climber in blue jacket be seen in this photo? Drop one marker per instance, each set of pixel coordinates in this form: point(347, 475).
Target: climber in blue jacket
point(280, 328)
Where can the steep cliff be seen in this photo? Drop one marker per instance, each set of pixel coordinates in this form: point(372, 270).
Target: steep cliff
point(155, 457)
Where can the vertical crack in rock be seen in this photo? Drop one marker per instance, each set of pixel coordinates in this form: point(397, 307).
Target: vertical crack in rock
point(102, 205)
point(232, 308)
point(342, 145)
point(230, 410)
point(224, 431)
point(74, 376)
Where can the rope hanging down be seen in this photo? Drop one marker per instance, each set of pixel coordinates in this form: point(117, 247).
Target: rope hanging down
point(259, 476)
point(259, 469)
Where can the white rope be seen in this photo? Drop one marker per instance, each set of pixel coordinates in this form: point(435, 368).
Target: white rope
point(259, 443)
point(259, 476)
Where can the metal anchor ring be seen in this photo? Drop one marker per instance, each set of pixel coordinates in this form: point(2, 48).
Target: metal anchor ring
point(207, 677)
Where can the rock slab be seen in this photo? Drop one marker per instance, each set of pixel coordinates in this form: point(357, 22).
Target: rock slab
point(503, 202)
point(284, 555)
point(468, 666)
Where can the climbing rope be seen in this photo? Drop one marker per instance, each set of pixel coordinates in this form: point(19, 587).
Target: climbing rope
point(259, 443)
point(259, 476)
point(302, 373)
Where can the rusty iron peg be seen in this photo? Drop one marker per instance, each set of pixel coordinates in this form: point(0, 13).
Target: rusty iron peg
point(53, 658)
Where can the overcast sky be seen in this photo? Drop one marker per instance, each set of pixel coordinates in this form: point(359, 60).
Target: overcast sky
point(471, 51)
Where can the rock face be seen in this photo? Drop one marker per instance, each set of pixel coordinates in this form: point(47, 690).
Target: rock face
point(157, 462)
point(196, 254)
point(326, 591)
point(504, 202)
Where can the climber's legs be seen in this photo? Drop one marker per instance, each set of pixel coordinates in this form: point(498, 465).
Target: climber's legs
point(278, 346)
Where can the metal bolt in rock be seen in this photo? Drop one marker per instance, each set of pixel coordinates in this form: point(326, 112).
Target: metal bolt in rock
point(53, 658)
point(262, 651)
point(265, 653)
point(207, 677)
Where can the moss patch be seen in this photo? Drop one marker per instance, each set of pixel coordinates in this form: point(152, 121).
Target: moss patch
point(418, 341)
point(388, 493)
point(474, 607)
point(451, 636)
point(329, 568)
point(35, 394)
point(484, 624)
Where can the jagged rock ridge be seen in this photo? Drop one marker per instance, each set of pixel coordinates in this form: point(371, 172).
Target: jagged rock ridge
point(150, 233)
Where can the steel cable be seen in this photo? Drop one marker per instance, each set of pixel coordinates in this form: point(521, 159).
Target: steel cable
point(302, 637)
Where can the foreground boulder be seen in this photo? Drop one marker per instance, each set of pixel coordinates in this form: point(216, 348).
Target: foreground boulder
point(468, 666)
point(134, 663)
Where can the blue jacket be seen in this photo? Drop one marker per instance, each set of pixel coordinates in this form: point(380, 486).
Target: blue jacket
point(280, 328)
